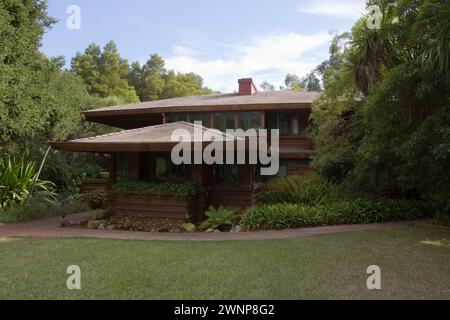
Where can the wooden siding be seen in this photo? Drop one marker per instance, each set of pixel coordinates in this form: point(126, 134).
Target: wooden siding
point(240, 197)
point(298, 142)
point(94, 185)
point(153, 206)
point(297, 169)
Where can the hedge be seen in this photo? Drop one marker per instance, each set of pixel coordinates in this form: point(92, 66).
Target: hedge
point(354, 211)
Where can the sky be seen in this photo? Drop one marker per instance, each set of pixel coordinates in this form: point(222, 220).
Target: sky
point(220, 40)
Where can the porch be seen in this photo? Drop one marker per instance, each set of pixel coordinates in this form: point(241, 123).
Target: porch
point(143, 157)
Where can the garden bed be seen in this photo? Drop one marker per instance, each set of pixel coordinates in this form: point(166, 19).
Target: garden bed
point(176, 201)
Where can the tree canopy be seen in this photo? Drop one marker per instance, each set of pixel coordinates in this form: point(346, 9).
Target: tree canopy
point(386, 99)
point(104, 72)
point(154, 82)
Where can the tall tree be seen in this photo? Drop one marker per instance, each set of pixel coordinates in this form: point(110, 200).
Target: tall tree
point(293, 83)
point(105, 72)
point(311, 82)
point(24, 71)
point(267, 86)
point(398, 118)
point(153, 81)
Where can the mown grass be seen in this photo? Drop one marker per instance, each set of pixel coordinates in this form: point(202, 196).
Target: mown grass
point(414, 260)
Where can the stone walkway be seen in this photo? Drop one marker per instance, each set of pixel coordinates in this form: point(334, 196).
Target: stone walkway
point(50, 228)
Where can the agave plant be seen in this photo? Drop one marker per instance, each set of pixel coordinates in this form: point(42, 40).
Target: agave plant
point(219, 217)
point(16, 181)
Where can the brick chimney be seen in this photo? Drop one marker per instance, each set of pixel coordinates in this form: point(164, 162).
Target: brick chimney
point(247, 87)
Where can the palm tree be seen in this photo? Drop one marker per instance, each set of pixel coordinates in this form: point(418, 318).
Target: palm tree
point(369, 50)
point(435, 17)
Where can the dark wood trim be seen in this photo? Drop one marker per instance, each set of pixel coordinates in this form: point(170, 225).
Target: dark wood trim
point(91, 115)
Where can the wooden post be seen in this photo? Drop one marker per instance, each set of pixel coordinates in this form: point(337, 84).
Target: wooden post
point(200, 174)
point(112, 169)
point(263, 120)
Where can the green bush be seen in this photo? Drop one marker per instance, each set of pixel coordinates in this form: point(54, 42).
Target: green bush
point(308, 189)
point(40, 208)
point(440, 203)
point(16, 181)
point(95, 200)
point(219, 217)
point(182, 189)
point(355, 211)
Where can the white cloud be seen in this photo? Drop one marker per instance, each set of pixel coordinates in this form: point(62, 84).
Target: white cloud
point(339, 8)
point(266, 57)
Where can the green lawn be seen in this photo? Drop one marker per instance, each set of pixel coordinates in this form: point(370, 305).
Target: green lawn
point(415, 263)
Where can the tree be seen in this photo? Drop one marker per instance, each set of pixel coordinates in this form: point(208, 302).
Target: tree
point(387, 105)
point(267, 86)
point(105, 73)
point(153, 82)
point(293, 83)
point(24, 71)
point(311, 82)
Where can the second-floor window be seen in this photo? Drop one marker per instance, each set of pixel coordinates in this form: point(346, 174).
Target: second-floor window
point(249, 120)
point(287, 123)
point(204, 117)
point(224, 120)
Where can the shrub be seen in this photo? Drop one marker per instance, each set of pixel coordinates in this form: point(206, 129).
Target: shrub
point(281, 216)
point(95, 200)
point(308, 189)
point(40, 208)
point(182, 189)
point(440, 204)
point(218, 218)
point(16, 180)
point(355, 211)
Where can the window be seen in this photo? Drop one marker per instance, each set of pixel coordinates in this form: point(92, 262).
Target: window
point(123, 161)
point(249, 120)
point(287, 123)
point(167, 171)
point(378, 178)
point(227, 174)
point(224, 121)
point(295, 125)
point(176, 117)
point(284, 124)
point(204, 117)
point(284, 170)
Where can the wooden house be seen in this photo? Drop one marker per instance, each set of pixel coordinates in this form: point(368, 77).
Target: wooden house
point(142, 151)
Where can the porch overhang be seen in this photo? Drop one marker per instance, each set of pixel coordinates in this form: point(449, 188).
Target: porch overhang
point(150, 139)
point(111, 147)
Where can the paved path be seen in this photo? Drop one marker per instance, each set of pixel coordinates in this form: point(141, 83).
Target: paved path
point(49, 228)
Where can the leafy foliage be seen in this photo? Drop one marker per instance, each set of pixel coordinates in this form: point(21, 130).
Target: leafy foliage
point(182, 189)
point(95, 200)
point(386, 100)
point(39, 208)
point(219, 217)
point(104, 72)
point(153, 82)
point(354, 211)
point(16, 181)
point(309, 189)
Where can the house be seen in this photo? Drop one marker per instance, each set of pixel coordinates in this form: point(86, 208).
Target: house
point(142, 151)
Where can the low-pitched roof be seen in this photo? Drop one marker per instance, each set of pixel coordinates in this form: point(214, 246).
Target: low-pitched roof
point(212, 102)
point(154, 138)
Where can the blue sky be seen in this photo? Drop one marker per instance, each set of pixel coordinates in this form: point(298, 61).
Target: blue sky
point(220, 40)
